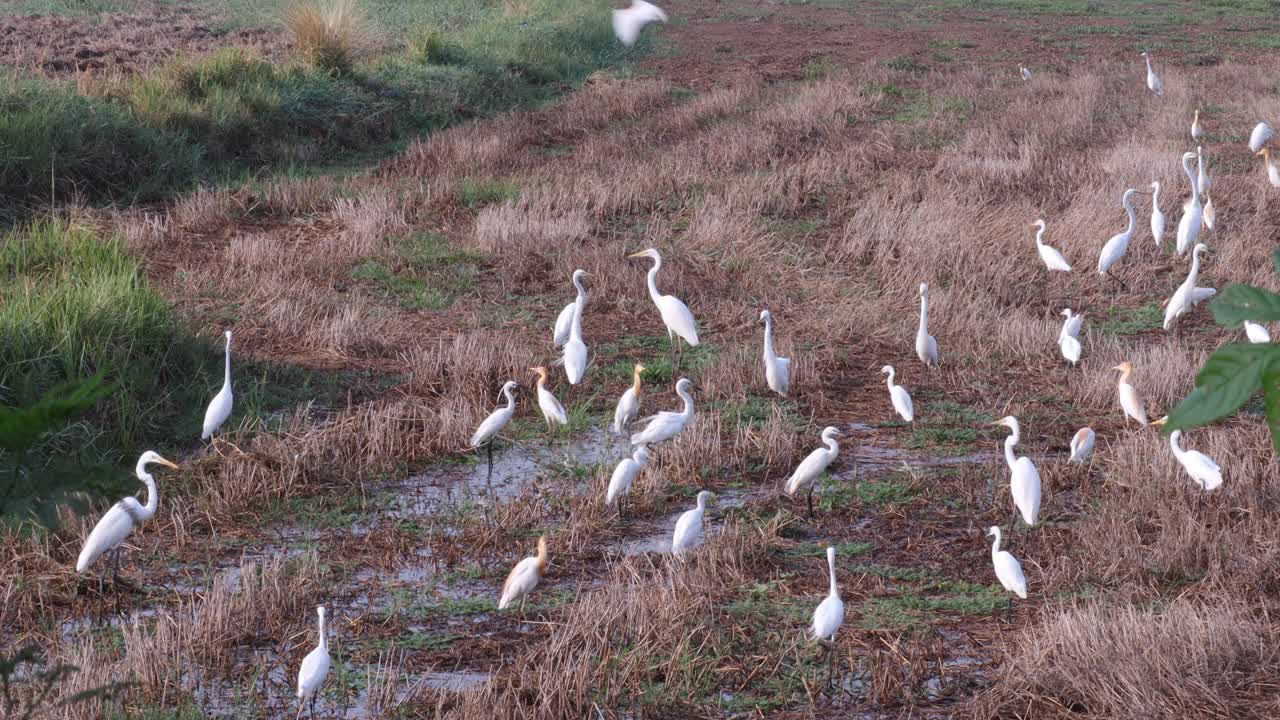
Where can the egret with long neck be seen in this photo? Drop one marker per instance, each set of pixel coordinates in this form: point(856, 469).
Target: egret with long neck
point(811, 468)
point(565, 319)
point(1024, 479)
point(777, 370)
point(675, 314)
point(109, 534)
point(1189, 223)
point(1186, 296)
point(926, 345)
point(220, 407)
point(1157, 215)
point(1119, 243)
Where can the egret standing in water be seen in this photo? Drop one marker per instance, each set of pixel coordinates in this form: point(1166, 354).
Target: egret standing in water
point(1069, 336)
point(1051, 257)
point(1153, 80)
point(829, 614)
point(629, 403)
point(926, 345)
point(1157, 215)
point(1082, 445)
point(220, 407)
point(116, 524)
point(1008, 569)
point(811, 468)
point(524, 577)
point(315, 667)
point(625, 474)
point(1189, 223)
point(1203, 470)
point(628, 23)
point(675, 314)
point(487, 433)
point(1024, 479)
point(666, 424)
point(1119, 243)
point(777, 370)
point(552, 410)
point(688, 534)
point(898, 396)
point(1187, 295)
point(1130, 401)
point(565, 319)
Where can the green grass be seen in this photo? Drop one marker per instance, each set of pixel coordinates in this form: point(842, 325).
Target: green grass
point(477, 193)
point(423, 273)
point(929, 602)
point(1131, 321)
point(654, 353)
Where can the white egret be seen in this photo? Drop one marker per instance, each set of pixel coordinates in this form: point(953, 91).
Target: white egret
point(629, 403)
point(1261, 133)
point(675, 314)
point(1153, 80)
point(777, 370)
point(1189, 223)
point(1008, 569)
point(1082, 445)
point(898, 396)
point(628, 23)
point(552, 410)
point(1157, 215)
point(809, 469)
point(1203, 183)
point(220, 407)
point(688, 534)
point(1119, 243)
point(1273, 175)
point(625, 474)
point(1130, 401)
point(524, 577)
point(575, 350)
point(1203, 470)
point(565, 319)
point(1185, 297)
point(1256, 333)
point(926, 345)
point(667, 424)
point(829, 614)
point(488, 431)
point(1196, 131)
point(1024, 72)
point(1024, 479)
point(1209, 216)
point(1051, 257)
point(1069, 336)
point(116, 524)
point(315, 666)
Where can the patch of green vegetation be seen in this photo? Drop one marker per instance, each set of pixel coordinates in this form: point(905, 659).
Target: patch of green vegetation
point(655, 354)
point(818, 68)
point(914, 609)
point(941, 57)
point(456, 606)
point(905, 64)
point(415, 641)
point(890, 572)
point(755, 411)
point(889, 89)
point(477, 193)
point(427, 273)
point(952, 44)
point(948, 440)
point(1131, 321)
point(892, 491)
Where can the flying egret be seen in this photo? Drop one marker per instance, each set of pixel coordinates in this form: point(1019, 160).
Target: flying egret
point(552, 410)
point(667, 424)
point(926, 345)
point(315, 666)
point(1008, 569)
point(829, 614)
point(1024, 479)
point(1189, 223)
point(1262, 132)
point(1024, 72)
point(220, 407)
point(116, 524)
point(1082, 445)
point(688, 534)
point(1130, 401)
point(808, 471)
point(898, 396)
point(1119, 243)
point(675, 314)
point(777, 370)
point(629, 403)
point(565, 319)
point(625, 474)
point(1153, 80)
point(1203, 470)
point(575, 350)
point(628, 23)
point(1203, 183)
point(1196, 131)
point(1051, 257)
point(1273, 175)
point(524, 577)
point(487, 433)
point(1157, 215)
point(1069, 336)
point(1185, 297)
point(1256, 333)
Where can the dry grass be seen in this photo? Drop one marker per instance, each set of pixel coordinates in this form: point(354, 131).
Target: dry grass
point(329, 34)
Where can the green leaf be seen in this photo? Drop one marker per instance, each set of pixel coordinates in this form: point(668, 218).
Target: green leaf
point(1271, 398)
point(1244, 302)
point(1228, 379)
point(1275, 259)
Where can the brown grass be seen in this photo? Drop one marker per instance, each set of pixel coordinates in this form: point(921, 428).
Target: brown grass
point(327, 33)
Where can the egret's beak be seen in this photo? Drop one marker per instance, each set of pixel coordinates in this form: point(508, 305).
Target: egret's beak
point(1161, 421)
point(998, 422)
point(636, 255)
point(166, 463)
point(1118, 367)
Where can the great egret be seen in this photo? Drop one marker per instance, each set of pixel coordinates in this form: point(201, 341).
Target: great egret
point(675, 314)
point(1203, 183)
point(1203, 470)
point(315, 666)
point(1082, 445)
point(1256, 333)
point(629, 403)
point(628, 23)
point(524, 577)
point(1273, 175)
point(1069, 336)
point(220, 407)
point(926, 345)
point(1051, 257)
point(488, 431)
point(575, 350)
point(1119, 243)
point(1196, 131)
point(1024, 479)
point(829, 614)
point(552, 410)
point(116, 524)
point(1189, 223)
point(1184, 298)
point(1153, 80)
point(777, 370)
point(1157, 215)
point(688, 534)
point(808, 471)
point(898, 396)
point(1130, 401)
point(565, 319)
point(625, 474)
point(1008, 569)
point(666, 424)
point(1262, 132)
point(1024, 72)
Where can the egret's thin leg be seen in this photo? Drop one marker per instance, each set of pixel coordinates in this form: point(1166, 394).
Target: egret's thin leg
point(490, 444)
point(810, 500)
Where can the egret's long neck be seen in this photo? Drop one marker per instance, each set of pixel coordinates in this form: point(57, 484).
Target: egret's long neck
point(889, 382)
point(1009, 442)
point(1195, 268)
point(1124, 376)
point(635, 382)
point(1155, 194)
point(542, 554)
point(1191, 178)
point(1040, 236)
point(153, 496)
point(995, 545)
point(1148, 59)
point(226, 374)
point(688, 402)
point(324, 640)
point(831, 566)
point(768, 335)
point(924, 313)
point(702, 501)
point(1173, 444)
point(577, 284)
point(511, 400)
point(833, 447)
point(1128, 208)
point(575, 327)
point(653, 279)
